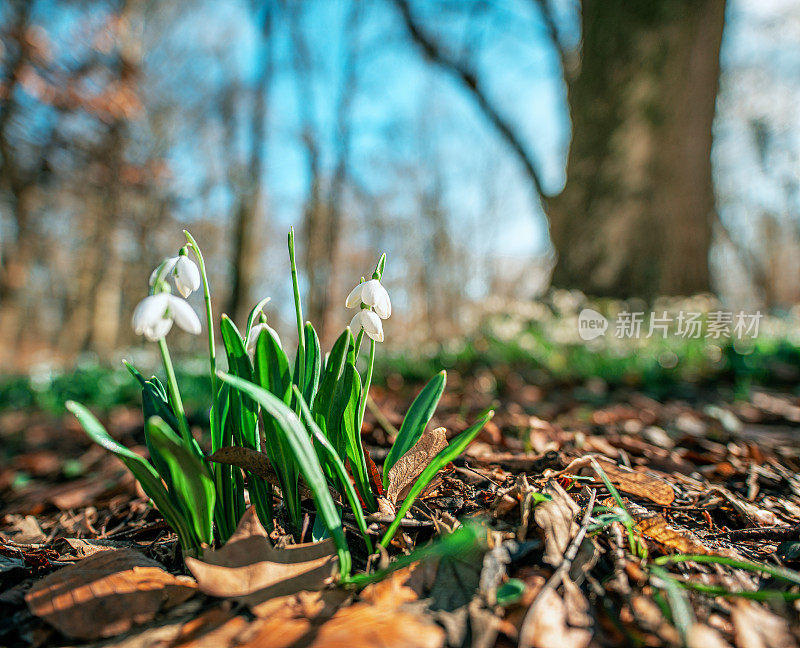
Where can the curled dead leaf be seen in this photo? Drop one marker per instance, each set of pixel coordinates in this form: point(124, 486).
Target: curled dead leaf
point(248, 567)
point(413, 462)
point(557, 521)
point(106, 594)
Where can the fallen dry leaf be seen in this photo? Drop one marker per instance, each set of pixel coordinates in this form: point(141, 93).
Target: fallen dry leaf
point(700, 635)
point(248, 567)
point(756, 627)
point(657, 528)
point(107, 593)
point(413, 462)
point(372, 626)
point(633, 482)
point(548, 626)
point(557, 520)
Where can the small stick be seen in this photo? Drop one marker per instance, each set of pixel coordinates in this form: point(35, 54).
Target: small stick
point(558, 576)
point(380, 417)
point(768, 533)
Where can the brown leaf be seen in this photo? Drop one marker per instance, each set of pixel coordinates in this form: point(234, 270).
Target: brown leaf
point(107, 593)
point(548, 627)
point(250, 568)
point(377, 626)
point(756, 627)
point(633, 482)
point(557, 520)
point(655, 527)
point(413, 462)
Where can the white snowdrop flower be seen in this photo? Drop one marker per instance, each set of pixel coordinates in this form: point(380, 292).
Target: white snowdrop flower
point(252, 338)
point(154, 316)
point(372, 293)
point(184, 273)
point(370, 322)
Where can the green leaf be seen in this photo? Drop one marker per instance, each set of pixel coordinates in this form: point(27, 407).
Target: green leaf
point(142, 470)
point(290, 426)
point(244, 415)
point(191, 478)
point(417, 417)
point(251, 318)
point(272, 373)
point(243, 412)
point(272, 366)
point(334, 366)
point(336, 462)
point(455, 448)
point(312, 359)
point(344, 434)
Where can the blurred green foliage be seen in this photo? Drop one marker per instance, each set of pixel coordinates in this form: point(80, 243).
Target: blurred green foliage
point(531, 347)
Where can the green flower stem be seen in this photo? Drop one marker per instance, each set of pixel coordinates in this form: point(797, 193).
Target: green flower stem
point(174, 394)
point(301, 347)
point(212, 353)
point(367, 382)
point(359, 337)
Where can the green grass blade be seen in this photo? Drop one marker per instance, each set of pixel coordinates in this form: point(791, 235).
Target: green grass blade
point(336, 462)
point(417, 417)
point(191, 478)
point(455, 448)
point(462, 541)
point(783, 573)
point(292, 428)
point(142, 470)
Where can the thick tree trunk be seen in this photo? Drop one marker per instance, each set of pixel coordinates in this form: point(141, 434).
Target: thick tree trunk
point(635, 217)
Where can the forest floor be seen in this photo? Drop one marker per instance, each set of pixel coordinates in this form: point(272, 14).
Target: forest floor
point(573, 503)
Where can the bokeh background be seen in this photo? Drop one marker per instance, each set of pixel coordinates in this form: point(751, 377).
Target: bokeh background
point(509, 156)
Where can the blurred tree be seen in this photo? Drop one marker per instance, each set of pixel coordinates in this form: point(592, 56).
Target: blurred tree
point(635, 217)
point(636, 214)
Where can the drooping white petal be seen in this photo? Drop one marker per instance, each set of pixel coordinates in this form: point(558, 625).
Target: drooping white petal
point(252, 338)
point(149, 312)
point(370, 322)
point(165, 267)
point(375, 295)
point(184, 315)
point(158, 329)
point(354, 298)
point(186, 275)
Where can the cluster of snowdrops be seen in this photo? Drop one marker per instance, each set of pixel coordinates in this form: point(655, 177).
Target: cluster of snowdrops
point(290, 431)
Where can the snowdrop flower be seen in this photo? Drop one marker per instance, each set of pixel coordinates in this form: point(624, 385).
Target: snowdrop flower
point(184, 273)
point(154, 316)
point(252, 338)
point(370, 322)
point(371, 293)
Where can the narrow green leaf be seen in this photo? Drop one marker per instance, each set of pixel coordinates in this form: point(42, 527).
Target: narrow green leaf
point(272, 366)
point(191, 478)
point(417, 417)
point(334, 366)
point(251, 318)
point(455, 448)
point(343, 433)
point(142, 470)
point(272, 373)
point(336, 462)
point(292, 428)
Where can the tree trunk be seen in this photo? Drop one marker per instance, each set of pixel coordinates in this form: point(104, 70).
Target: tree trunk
point(635, 217)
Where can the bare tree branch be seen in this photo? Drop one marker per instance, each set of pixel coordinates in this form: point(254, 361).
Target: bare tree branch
point(469, 79)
